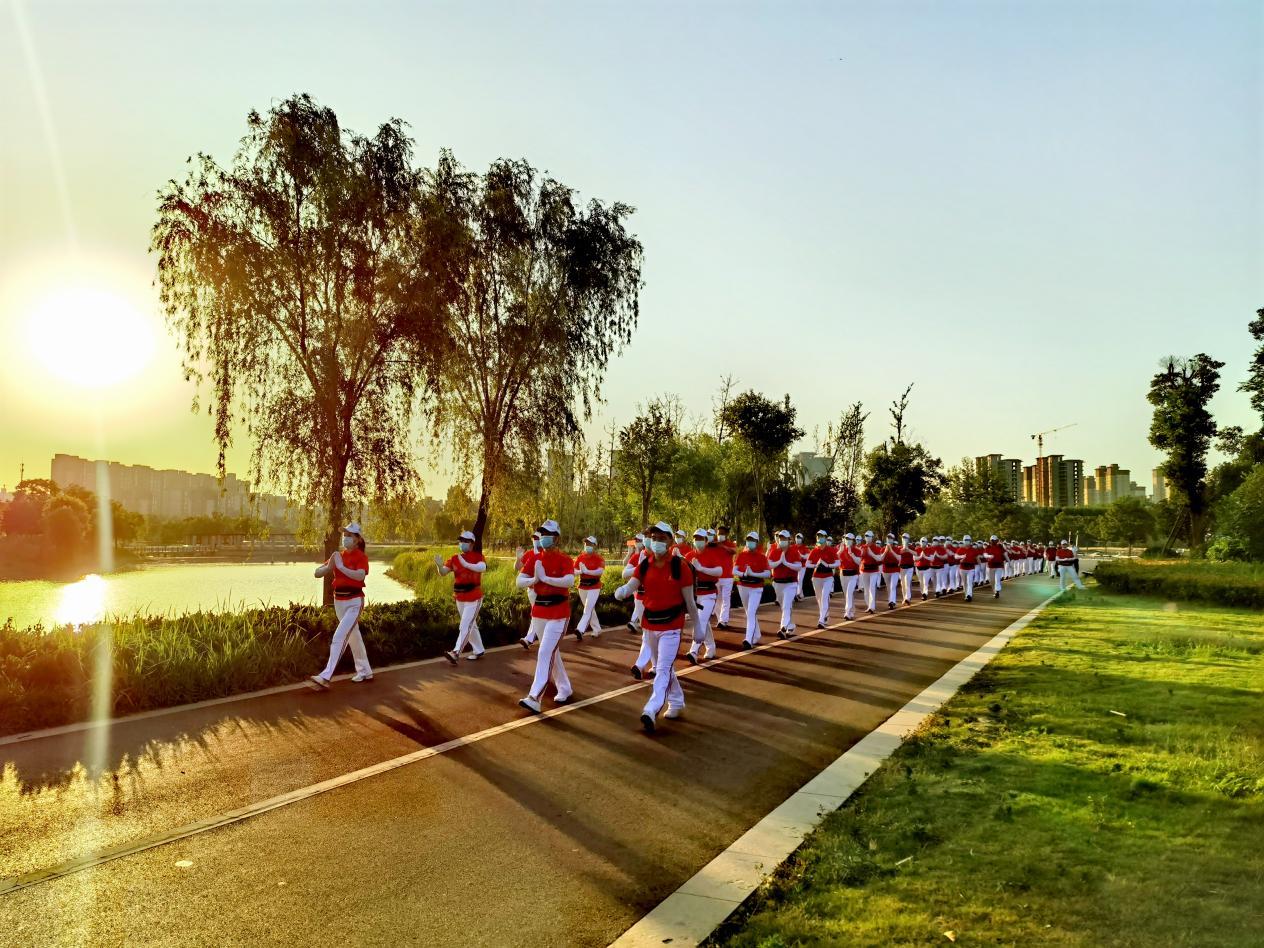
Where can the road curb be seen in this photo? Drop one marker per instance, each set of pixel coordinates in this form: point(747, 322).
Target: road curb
point(695, 910)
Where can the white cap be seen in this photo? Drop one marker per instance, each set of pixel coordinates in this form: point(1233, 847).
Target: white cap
point(798, 536)
point(550, 526)
point(700, 532)
point(869, 534)
point(662, 527)
point(710, 534)
point(992, 538)
point(753, 535)
point(907, 536)
point(783, 534)
point(966, 538)
point(849, 536)
point(591, 540)
point(354, 527)
point(922, 540)
point(640, 536)
point(680, 532)
point(891, 536)
point(821, 533)
point(466, 535)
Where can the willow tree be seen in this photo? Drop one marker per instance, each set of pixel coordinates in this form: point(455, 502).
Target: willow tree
point(548, 292)
point(305, 285)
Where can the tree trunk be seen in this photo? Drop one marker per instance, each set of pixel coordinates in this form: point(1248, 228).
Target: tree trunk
point(484, 510)
point(334, 532)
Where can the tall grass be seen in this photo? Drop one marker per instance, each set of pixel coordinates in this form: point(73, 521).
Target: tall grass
point(1228, 584)
point(46, 673)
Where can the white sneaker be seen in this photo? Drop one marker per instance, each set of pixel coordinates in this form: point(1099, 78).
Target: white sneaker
point(673, 712)
point(319, 682)
point(530, 704)
point(362, 678)
point(473, 656)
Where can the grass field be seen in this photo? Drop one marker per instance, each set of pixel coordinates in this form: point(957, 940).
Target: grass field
point(1225, 584)
point(1100, 783)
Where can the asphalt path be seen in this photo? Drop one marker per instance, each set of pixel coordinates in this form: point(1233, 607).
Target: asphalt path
point(278, 819)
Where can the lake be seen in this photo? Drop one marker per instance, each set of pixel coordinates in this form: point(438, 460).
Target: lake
point(174, 589)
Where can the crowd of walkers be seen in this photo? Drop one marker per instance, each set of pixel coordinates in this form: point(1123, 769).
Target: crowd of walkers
point(673, 577)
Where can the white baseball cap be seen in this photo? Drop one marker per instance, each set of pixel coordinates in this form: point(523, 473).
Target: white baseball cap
point(700, 532)
point(783, 534)
point(354, 527)
point(591, 540)
point(992, 537)
point(550, 526)
point(466, 535)
point(753, 535)
point(663, 527)
point(966, 538)
point(869, 534)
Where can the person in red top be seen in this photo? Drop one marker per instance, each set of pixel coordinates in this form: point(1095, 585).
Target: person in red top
point(967, 558)
point(751, 568)
point(682, 545)
point(996, 556)
point(636, 549)
point(349, 567)
point(1068, 561)
point(466, 567)
point(1051, 557)
point(924, 563)
point(589, 566)
point(724, 588)
point(787, 567)
point(890, 568)
point(870, 565)
point(907, 556)
point(667, 581)
point(802, 550)
point(850, 561)
point(708, 561)
point(524, 563)
point(553, 574)
point(822, 560)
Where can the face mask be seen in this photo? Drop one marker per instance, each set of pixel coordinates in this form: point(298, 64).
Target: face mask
point(722, 537)
point(751, 544)
point(546, 542)
point(699, 545)
point(535, 544)
point(784, 544)
point(658, 546)
point(820, 542)
point(463, 547)
point(590, 549)
point(348, 542)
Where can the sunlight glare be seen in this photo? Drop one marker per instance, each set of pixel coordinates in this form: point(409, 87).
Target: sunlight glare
point(82, 602)
point(90, 337)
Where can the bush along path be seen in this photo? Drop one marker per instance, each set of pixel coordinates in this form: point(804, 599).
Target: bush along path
point(47, 676)
point(1101, 782)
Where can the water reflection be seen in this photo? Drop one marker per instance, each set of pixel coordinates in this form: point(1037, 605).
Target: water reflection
point(82, 602)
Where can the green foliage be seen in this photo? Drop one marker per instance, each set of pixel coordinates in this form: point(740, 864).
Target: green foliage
point(1098, 784)
point(647, 451)
point(902, 478)
point(1227, 550)
point(1254, 384)
point(1240, 516)
point(1230, 584)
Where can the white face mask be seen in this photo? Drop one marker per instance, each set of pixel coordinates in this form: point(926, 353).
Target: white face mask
point(658, 546)
point(751, 544)
point(463, 546)
point(588, 548)
point(784, 544)
point(348, 542)
point(699, 545)
point(722, 537)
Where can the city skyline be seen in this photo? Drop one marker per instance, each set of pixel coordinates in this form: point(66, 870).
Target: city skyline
point(795, 199)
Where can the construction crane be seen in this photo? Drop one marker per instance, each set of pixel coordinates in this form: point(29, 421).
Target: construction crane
point(1039, 437)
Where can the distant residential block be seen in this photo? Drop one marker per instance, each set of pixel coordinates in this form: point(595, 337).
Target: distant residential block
point(1008, 470)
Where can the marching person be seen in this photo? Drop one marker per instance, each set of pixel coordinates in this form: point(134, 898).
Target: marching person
point(849, 566)
point(466, 567)
point(908, 558)
point(1051, 557)
point(750, 569)
point(635, 552)
point(870, 577)
point(589, 566)
point(967, 557)
point(1068, 563)
point(802, 550)
point(707, 561)
point(823, 560)
point(682, 546)
point(350, 567)
point(786, 569)
point(553, 574)
point(890, 568)
point(924, 563)
point(997, 558)
point(667, 581)
point(524, 564)
point(724, 588)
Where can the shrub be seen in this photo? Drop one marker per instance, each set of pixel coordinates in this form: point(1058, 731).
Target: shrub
point(1226, 584)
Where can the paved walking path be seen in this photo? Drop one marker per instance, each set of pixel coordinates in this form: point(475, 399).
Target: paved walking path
point(426, 807)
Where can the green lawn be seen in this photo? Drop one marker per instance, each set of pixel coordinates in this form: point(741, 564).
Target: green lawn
point(1100, 783)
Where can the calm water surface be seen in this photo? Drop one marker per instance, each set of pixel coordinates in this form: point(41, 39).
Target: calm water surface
point(171, 590)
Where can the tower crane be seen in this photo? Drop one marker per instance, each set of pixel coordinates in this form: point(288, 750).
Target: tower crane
point(1039, 437)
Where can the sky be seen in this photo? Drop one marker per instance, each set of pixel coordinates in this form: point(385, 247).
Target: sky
point(1018, 207)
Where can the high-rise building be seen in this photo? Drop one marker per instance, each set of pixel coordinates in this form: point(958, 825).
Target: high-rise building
point(168, 493)
point(1159, 483)
point(812, 467)
point(1090, 490)
point(1009, 471)
point(1054, 481)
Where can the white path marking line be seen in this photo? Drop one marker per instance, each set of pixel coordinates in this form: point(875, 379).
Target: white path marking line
point(304, 793)
point(691, 913)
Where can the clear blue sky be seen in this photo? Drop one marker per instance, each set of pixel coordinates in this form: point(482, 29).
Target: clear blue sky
point(1018, 206)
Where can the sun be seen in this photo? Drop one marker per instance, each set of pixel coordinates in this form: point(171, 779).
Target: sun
point(89, 336)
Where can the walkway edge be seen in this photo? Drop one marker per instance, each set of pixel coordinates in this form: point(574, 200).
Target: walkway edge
point(695, 910)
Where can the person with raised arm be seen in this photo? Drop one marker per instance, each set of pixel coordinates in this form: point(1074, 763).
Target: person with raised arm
point(466, 567)
point(589, 566)
point(349, 568)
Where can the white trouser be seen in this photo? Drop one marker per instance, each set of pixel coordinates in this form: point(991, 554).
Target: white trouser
point(996, 575)
point(850, 585)
point(348, 632)
point(468, 611)
point(589, 598)
point(724, 599)
point(942, 575)
point(871, 583)
point(638, 610)
point(955, 570)
point(531, 635)
point(906, 582)
point(1064, 570)
point(750, 602)
point(893, 585)
point(823, 586)
point(924, 580)
point(785, 598)
point(548, 661)
point(706, 606)
point(646, 652)
point(967, 577)
point(666, 685)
